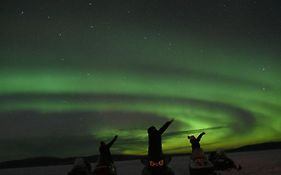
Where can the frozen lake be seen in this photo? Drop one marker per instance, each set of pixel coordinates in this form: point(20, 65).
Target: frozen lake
point(253, 163)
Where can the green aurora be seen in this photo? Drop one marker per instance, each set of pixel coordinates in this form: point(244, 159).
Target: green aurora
point(62, 96)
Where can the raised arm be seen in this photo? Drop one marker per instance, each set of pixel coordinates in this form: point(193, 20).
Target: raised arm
point(165, 126)
point(200, 136)
point(112, 141)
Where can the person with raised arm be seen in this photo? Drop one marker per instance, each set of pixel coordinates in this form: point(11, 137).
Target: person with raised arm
point(195, 142)
point(155, 141)
point(104, 149)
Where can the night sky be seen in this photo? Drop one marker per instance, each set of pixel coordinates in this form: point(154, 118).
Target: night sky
point(73, 73)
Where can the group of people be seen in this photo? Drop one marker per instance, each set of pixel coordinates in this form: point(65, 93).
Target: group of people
point(155, 157)
point(155, 153)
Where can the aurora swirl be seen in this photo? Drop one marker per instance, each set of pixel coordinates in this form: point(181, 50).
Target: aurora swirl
point(63, 96)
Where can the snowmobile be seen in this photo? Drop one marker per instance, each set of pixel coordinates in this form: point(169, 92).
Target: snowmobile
point(105, 169)
point(81, 167)
point(158, 167)
point(79, 171)
point(222, 162)
point(200, 165)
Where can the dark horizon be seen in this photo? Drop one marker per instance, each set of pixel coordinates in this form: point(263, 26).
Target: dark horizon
point(49, 161)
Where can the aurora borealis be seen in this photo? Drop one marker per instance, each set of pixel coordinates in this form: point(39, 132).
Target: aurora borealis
point(73, 73)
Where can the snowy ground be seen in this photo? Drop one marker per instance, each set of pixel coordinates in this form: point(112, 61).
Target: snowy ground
point(253, 163)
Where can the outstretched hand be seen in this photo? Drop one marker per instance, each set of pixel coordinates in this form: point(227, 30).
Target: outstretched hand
point(115, 136)
point(203, 133)
point(171, 120)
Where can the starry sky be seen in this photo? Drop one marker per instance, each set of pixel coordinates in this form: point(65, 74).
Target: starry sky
point(73, 73)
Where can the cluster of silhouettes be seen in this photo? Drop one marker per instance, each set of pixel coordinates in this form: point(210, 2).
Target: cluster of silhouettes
point(155, 157)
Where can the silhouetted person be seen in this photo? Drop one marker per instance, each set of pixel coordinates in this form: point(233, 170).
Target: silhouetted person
point(197, 153)
point(105, 154)
point(155, 141)
point(195, 142)
point(81, 167)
